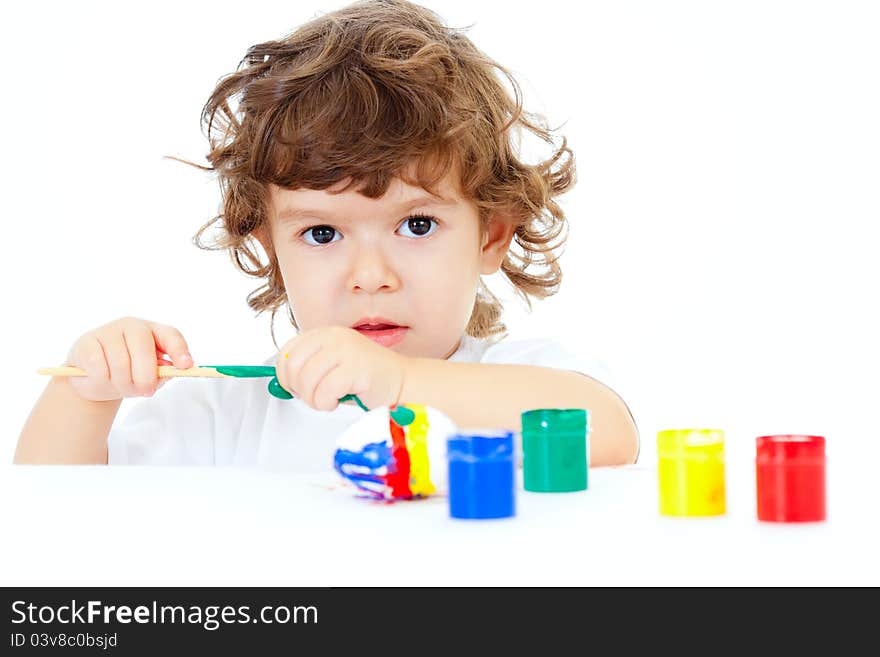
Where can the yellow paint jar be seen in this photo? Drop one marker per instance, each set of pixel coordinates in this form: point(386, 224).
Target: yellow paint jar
point(690, 472)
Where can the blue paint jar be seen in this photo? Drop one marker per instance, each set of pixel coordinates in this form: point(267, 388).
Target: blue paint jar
point(481, 474)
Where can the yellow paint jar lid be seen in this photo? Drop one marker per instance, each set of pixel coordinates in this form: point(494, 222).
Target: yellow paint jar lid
point(673, 443)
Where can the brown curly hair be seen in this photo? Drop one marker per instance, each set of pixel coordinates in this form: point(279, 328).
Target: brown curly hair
point(362, 93)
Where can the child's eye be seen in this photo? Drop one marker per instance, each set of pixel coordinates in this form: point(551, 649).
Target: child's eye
point(417, 226)
point(318, 235)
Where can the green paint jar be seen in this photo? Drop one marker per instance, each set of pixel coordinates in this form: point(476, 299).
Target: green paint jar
point(555, 449)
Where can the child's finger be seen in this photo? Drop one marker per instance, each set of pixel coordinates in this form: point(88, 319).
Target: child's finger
point(291, 358)
point(336, 384)
point(89, 355)
point(308, 376)
point(118, 362)
point(141, 351)
point(171, 341)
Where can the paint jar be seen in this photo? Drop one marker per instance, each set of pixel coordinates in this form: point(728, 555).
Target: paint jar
point(790, 478)
point(555, 449)
point(690, 472)
point(481, 474)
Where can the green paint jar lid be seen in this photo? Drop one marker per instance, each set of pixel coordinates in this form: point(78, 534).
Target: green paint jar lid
point(555, 449)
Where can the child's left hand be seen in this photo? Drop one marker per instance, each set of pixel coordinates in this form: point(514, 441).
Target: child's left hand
point(322, 365)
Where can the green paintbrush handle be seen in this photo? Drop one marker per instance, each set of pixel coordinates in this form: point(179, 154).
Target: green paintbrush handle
point(275, 388)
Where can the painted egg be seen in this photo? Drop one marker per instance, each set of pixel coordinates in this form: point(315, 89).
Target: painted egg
point(396, 453)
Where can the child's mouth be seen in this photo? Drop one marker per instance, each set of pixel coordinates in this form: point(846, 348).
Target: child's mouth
point(386, 334)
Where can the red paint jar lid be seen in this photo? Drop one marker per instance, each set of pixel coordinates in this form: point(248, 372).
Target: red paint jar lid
point(787, 448)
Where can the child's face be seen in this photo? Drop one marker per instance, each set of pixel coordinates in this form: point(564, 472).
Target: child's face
point(402, 269)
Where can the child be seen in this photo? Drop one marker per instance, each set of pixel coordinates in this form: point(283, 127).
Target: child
point(370, 155)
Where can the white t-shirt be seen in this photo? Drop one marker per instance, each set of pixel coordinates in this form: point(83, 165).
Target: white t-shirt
point(199, 421)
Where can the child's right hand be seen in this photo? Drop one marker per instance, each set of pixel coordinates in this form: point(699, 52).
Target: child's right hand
point(121, 359)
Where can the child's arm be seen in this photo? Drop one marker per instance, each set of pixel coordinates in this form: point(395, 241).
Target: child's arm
point(72, 418)
point(65, 428)
point(322, 365)
point(481, 395)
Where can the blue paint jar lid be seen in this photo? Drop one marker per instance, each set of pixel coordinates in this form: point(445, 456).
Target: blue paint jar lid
point(481, 474)
point(481, 444)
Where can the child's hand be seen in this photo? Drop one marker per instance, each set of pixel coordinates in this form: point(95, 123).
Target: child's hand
point(121, 359)
point(322, 365)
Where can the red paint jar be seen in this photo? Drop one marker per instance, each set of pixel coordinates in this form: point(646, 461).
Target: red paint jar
point(790, 477)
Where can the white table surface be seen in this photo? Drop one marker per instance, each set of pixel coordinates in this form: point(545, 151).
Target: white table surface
point(185, 526)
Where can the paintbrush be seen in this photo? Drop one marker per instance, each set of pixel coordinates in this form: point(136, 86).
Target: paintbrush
point(207, 371)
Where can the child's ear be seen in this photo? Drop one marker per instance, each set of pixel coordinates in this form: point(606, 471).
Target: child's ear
point(497, 234)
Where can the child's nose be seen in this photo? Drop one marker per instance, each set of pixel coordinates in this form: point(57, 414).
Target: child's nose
point(371, 271)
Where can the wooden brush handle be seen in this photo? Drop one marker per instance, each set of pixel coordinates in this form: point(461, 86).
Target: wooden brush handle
point(165, 372)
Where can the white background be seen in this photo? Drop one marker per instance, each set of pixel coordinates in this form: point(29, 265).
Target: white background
point(214, 526)
point(722, 254)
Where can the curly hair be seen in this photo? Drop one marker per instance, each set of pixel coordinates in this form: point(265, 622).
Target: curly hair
point(363, 93)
